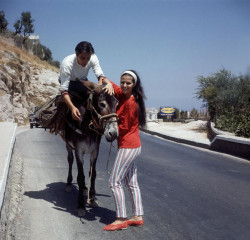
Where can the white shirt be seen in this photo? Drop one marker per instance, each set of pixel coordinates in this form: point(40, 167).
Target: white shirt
point(70, 70)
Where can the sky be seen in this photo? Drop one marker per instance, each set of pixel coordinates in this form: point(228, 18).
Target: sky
point(170, 43)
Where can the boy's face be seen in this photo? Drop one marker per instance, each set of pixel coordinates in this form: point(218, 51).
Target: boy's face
point(83, 59)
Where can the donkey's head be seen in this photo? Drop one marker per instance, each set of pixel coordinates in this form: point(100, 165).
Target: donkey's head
point(103, 107)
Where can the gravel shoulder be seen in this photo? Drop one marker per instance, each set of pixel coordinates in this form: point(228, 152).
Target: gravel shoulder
point(11, 208)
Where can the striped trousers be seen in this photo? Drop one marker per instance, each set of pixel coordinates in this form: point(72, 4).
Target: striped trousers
point(125, 171)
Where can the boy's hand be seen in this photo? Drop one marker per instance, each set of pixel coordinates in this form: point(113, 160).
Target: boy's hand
point(76, 115)
point(109, 89)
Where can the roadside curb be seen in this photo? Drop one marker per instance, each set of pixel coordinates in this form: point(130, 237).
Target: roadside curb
point(232, 145)
point(228, 143)
point(8, 132)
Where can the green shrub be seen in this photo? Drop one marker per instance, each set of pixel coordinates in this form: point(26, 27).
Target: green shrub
point(237, 124)
point(243, 128)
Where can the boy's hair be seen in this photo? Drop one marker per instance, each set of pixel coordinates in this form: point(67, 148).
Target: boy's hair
point(84, 47)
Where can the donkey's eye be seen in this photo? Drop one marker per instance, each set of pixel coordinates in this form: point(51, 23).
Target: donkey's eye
point(103, 105)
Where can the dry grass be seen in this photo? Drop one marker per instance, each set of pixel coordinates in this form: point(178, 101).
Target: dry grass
point(23, 56)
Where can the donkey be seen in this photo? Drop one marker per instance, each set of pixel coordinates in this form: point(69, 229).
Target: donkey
point(98, 117)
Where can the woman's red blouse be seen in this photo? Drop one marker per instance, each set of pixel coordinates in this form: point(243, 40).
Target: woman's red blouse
point(128, 115)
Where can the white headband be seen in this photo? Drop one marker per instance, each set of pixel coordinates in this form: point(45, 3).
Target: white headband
point(132, 74)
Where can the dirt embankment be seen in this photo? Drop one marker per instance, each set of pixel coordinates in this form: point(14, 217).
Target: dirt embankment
point(25, 82)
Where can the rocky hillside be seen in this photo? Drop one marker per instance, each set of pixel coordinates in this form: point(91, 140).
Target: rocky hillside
point(25, 82)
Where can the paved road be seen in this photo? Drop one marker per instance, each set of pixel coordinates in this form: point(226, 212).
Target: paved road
point(188, 193)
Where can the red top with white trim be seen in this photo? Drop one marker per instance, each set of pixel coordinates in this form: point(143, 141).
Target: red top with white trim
point(128, 115)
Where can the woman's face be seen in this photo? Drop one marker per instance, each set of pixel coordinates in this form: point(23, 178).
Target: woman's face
point(83, 59)
point(127, 85)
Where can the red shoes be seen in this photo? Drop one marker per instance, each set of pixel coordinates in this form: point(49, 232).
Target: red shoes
point(114, 227)
point(123, 226)
point(135, 223)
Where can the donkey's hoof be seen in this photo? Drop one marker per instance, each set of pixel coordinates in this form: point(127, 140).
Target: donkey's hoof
point(93, 203)
point(81, 212)
point(68, 188)
point(85, 192)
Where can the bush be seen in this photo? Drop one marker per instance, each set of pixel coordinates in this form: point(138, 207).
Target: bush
point(237, 124)
point(243, 128)
point(227, 98)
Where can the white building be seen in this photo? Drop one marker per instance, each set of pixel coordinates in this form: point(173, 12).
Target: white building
point(151, 114)
point(34, 39)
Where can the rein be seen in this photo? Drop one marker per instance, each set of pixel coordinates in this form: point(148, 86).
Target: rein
point(107, 164)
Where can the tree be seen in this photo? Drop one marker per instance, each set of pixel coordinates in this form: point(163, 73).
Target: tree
point(176, 114)
point(217, 91)
point(183, 114)
point(194, 113)
point(18, 27)
point(228, 101)
point(55, 63)
point(24, 25)
point(3, 22)
point(47, 54)
point(244, 92)
point(38, 51)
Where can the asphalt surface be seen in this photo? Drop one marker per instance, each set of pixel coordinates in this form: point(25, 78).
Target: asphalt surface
point(187, 192)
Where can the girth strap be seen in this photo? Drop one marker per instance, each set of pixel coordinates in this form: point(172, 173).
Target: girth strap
point(77, 130)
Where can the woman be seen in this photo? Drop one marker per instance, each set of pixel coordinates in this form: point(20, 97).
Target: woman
point(77, 66)
point(131, 114)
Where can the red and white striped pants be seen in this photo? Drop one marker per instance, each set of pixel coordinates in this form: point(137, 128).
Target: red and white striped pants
point(125, 171)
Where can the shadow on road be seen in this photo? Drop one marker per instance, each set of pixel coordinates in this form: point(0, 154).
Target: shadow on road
point(105, 215)
point(63, 201)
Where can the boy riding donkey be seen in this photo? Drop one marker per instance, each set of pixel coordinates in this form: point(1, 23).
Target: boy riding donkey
point(73, 68)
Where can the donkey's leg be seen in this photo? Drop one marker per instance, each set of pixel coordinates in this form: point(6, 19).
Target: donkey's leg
point(92, 175)
point(92, 194)
point(70, 162)
point(80, 181)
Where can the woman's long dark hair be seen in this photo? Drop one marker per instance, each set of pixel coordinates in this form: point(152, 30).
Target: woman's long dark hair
point(139, 98)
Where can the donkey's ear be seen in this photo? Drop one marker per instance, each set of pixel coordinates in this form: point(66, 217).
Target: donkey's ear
point(91, 86)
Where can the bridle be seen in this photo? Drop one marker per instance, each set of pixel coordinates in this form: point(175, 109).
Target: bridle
point(96, 125)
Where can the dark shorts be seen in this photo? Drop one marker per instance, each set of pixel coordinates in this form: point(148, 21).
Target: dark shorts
point(77, 87)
